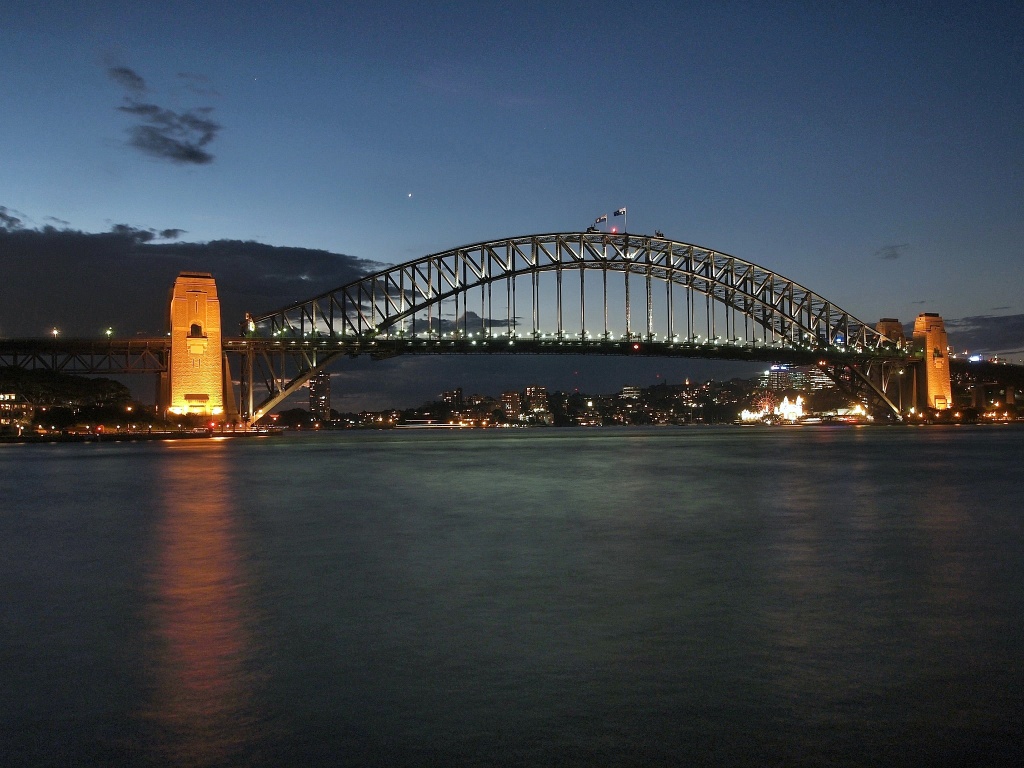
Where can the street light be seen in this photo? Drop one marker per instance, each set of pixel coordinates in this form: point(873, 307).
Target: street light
point(109, 332)
point(55, 332)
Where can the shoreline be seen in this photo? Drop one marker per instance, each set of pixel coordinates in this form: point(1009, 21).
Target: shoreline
point(129, 437)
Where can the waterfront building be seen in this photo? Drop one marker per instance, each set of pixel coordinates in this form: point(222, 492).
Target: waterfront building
point(779, 378)
point(512, 405)
point(537, 399)
point(452, 397)
point(15, 412)
point(630, 392)
point(320, 396)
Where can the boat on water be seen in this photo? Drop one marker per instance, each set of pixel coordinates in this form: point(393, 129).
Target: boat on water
point(430, 424)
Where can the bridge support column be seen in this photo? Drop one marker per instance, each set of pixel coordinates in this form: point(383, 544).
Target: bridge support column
point(930, 338)
point(230, 404)
point(195, 368)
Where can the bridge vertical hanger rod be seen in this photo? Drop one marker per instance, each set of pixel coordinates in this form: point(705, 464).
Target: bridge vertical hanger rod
point(671, 308)
point(727, 295)
point(650, 316)
point(247, 380)
point(510, 301)
point(583, 314)
point(430, 295)
point(629, 333)
point(401, 300)
point(373, 305)
point(455, 295)
point(691, 307)
point(465, 299)
point(730, 315)
point(515, 316)
point(534, 293)
point(708, 315)
point(558, 293)
point(688, 298)
point(604, 277)
point(484, 292)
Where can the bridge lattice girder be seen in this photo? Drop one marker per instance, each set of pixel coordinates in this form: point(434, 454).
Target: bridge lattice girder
point(389, 304)
point(792, 314)
point(86, 356)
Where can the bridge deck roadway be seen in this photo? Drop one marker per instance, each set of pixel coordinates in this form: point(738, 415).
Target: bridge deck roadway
point(134, 355)
point(383, 347)
point(148, 354)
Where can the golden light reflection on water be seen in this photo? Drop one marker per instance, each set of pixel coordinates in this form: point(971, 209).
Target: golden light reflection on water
point(200, 645)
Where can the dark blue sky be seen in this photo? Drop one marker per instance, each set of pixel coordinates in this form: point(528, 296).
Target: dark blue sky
point(873, 151)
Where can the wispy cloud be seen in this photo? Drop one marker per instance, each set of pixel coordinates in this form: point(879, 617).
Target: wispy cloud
point(891, 252)
point(198, 84)
point(987, 333)
point(10, 219)
point(180, 137)
point(128, 79)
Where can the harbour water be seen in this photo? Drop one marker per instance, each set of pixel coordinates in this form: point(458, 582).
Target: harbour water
point(677, 596)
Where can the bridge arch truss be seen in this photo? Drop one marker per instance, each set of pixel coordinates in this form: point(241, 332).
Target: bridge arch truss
point(582, 285)
point(572, 293)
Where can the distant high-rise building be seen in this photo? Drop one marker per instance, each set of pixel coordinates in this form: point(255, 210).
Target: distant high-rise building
point(777, 378)
point(537, 399)
point(452, 397)
point(320, 396)
point(803, 377)
point(631, 392)
point(512, 405)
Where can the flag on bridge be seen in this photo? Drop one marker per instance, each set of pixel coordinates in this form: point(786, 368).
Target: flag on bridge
point(620, 212)
point(601, 219)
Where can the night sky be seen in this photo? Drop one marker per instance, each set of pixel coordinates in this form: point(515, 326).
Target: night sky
point(872, 151)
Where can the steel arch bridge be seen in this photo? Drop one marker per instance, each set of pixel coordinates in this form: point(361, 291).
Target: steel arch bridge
point(571, 293)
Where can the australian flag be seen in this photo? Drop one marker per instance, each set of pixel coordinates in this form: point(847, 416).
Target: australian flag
point(601, 219)
point(620, 212)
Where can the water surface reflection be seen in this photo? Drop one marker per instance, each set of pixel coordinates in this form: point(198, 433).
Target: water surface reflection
point(200, 658)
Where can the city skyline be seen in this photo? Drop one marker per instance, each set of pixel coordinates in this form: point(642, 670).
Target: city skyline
point(873, 154)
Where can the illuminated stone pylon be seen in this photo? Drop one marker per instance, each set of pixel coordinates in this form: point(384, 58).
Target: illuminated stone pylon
point(196, 366)
point(934, 383)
